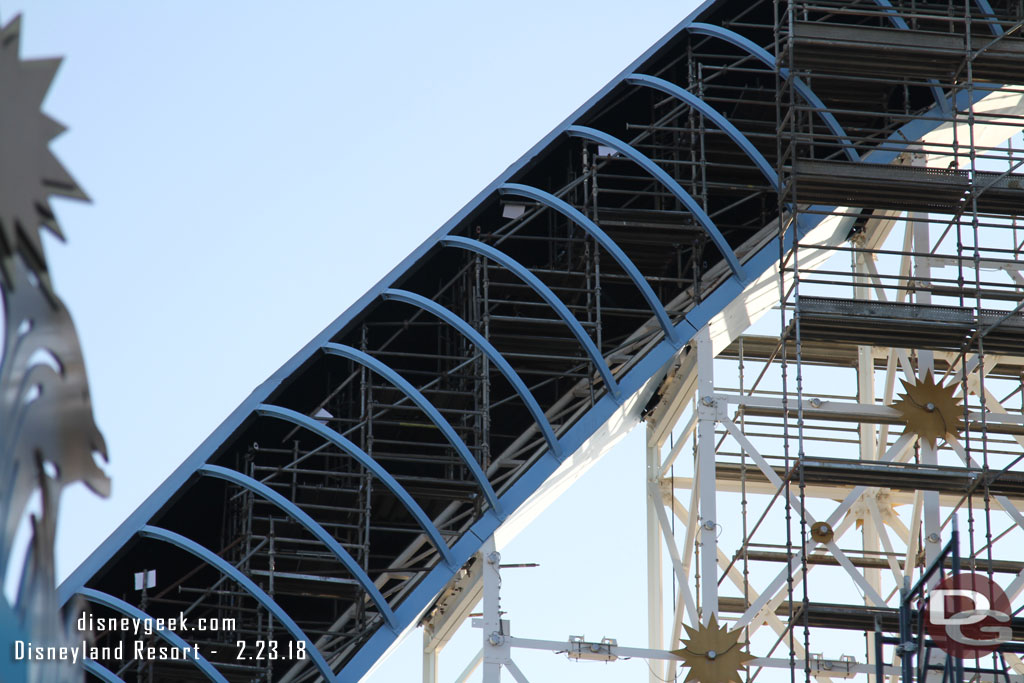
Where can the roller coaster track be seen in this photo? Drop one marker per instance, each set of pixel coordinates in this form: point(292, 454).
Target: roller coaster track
point(529, 333)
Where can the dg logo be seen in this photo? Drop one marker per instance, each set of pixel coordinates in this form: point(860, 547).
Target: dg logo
point(968, 615)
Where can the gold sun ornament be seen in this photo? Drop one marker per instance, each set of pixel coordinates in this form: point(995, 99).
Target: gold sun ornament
point(713, 654)
point(29, 172)
point(930, 410)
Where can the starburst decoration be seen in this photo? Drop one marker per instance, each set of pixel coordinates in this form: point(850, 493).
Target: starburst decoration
point(48, 436)
point(29, 172)
point(930, 410)
point(713, 654)
point(45, 411)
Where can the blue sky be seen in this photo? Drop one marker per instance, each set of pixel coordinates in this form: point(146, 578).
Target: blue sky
point(255, 167)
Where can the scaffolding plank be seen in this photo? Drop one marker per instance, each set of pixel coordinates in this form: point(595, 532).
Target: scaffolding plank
point(850, 49)
point(907, 188)
point(844, 354)
point(903, 325)
point(895, 476)
point(848, 617)
point(877, 562)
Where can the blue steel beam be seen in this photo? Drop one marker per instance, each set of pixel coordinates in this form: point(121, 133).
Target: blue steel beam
point(243, 412)
point(328, 434)
point(224, 567)
point(312, 526)
point(670, 184)
point(552, 300)
point(119, 605)
point(901, 24)
point(986, 8)
point(724, 124)
point(431, 411)
point(607, 243)
point(488, 350)
point(755, 50)
point(894, 16)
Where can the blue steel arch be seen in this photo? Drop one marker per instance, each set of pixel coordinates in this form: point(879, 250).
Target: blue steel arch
point(313, 527)
point(607, 243)
point(986, 8)
point(101, 672)
point(549, 297)
point(893, 15)
point(300, 420)
point(223, 566)
point(119, 605)
point(669, 183)
point(488, 350)
point(428, 408)
point(724, 124)
point(901, 24)
point(755, 50)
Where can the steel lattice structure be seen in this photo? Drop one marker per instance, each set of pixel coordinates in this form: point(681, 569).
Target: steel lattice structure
point(591, 286)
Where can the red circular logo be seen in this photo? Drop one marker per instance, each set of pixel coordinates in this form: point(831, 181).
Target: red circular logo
point(968, 615)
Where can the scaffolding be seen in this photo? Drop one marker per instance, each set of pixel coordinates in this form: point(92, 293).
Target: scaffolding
point(814, 448)
point(744, 241)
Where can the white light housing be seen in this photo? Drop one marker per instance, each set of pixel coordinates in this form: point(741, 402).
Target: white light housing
point(513, 210)
point(145, 579)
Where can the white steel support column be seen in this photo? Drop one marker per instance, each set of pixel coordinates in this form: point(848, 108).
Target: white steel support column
point(707, 412)
point(926, 364)
point(429, 660)
point(655, 595)
point(864, 266)
point(865, 362)
point(494, 652)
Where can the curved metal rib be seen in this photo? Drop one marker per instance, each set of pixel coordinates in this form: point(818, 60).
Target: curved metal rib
point(901, 24)
point(313, 527)
point(724, 124)
point(101, 672)
point(229, 570)
point(429, 409)
point(755, 50)
point(607, 243)
point(298, 419)
point(542, 290)
point(119, 605)
point(986, 9)
point(669, 183)
point(893, 15)
point(488, 350)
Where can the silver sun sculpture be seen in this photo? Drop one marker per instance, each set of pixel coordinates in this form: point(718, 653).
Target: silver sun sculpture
point(48, 437)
